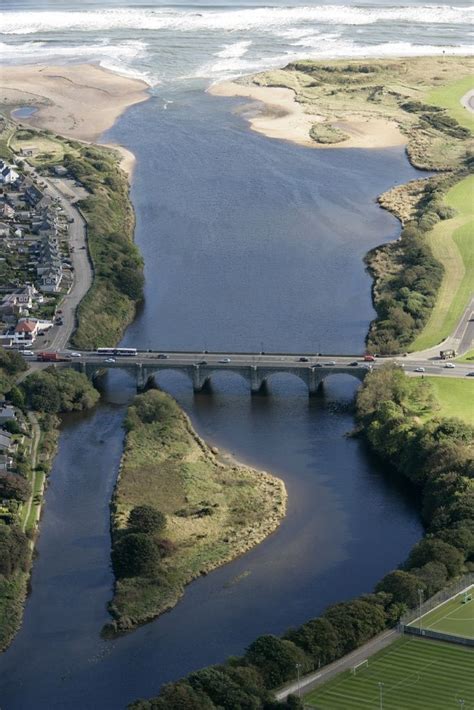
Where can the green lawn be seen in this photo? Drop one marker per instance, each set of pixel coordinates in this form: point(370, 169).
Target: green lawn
point(455, 396)
point(450, 96)
point(416, 675)
point(467, 357)
point(452, 244)
point(452, 617)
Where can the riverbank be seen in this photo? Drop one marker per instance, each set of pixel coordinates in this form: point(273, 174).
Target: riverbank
point(373, 104)
point(214, 512)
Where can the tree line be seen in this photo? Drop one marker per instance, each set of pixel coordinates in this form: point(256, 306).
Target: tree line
point(437, 456)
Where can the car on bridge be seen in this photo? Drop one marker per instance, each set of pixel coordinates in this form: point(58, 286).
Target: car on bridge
point(419, 369)
point(353, 364)
point(202, 362)
point(303, 359)
point(110, 360)
point(162, 356)
point(75, 354)
point(224, 360)
point(331, 363)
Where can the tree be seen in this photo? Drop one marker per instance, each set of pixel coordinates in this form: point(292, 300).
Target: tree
point(14, 550)
point(433, 575)
point(135, 555)
point(317, 638)
point(355, 622)
point(435, 550)
point(276, 659)
point(146, 519)
point(224, 692)
point(14, 486)
point(403, 586)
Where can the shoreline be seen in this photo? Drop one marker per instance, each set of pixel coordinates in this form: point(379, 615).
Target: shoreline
point(277, 114)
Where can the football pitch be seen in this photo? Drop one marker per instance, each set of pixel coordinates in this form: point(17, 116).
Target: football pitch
point(410, 674)
point(452, 617)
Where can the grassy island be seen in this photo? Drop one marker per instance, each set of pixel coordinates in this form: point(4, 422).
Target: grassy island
point(183, 508)
point(422, 282)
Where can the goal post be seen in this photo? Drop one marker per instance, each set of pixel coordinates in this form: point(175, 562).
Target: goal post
point(360, 666)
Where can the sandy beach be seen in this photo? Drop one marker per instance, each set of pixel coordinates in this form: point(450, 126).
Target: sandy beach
point(282, 117)
point(79, 101)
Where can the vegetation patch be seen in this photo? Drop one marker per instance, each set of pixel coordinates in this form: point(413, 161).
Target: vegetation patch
point(327, 134)
point(117, 287)
point(178, 512)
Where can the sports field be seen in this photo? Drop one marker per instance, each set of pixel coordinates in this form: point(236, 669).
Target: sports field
point(416, 675)
point(452, 617)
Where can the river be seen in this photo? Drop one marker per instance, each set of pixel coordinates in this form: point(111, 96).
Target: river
point(248, 243)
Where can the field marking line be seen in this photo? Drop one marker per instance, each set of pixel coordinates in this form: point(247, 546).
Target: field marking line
point(446, 616)
point(418, 673)
point(462, 591)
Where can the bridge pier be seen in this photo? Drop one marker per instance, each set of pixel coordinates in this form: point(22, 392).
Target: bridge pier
point(258, 385)
point(142, 377)
point(315, 384)
point(201, 382)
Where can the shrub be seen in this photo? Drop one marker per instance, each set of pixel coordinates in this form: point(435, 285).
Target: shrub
point(146, 519)
point(135, 555)
point(14, 486)
point(276, 659)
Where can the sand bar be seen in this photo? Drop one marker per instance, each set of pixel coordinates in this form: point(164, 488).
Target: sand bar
point(282, 117)
point(79, 101)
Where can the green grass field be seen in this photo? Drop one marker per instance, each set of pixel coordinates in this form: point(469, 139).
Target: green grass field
point(452, 244)
point(416, 675)
point(455, 397)
point(452, 617)
point(449, 97)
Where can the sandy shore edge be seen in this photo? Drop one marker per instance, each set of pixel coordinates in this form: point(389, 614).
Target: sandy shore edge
point(278, 115)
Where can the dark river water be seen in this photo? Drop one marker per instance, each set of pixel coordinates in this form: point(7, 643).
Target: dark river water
point(249, 244)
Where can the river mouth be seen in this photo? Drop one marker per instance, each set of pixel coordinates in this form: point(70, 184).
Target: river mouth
point(249, 244)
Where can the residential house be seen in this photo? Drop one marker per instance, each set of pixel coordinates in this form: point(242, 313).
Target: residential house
point(4, 230)
point(7, 174)
point(5, 441)
point(7, 413)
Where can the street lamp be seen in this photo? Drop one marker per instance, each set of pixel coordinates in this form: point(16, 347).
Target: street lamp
point(381, 694)
point(298, 668)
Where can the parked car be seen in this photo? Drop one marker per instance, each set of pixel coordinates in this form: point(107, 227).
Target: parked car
point(109, 359)
point(450, 365)
point(419, 369)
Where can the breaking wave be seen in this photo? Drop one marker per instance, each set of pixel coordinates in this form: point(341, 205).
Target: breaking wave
point(262, 19)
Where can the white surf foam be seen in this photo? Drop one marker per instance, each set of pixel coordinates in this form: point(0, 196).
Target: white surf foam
point(233, 51)
point(263, 18)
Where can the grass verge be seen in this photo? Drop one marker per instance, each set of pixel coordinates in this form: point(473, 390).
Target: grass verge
point(214, 511)
point(455, 397)
point(451, 242)
point(415, 673)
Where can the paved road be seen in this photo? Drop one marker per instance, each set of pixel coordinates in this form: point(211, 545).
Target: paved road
point(311, 681)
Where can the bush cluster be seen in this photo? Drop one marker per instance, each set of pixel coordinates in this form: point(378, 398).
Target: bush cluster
point(56, 391)
point(437, 457)
point(11, 364)
point(138, 549)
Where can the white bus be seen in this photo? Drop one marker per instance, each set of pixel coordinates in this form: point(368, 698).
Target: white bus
point(130, 352)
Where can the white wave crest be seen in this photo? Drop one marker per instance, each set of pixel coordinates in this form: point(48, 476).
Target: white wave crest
point(263, 19)
point(231, 51)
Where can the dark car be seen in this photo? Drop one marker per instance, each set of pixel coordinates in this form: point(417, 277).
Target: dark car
point(202, 362)
point(470, 374)
point(318, 364)
point(162, 356)
point(353, 364)
point(304, 359)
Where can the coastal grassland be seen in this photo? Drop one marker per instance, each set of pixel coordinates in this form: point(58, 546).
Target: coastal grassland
point(455, 397)
point(117, 287)
point(452, 244)
point(449, 98)
point(425, 275)
point(416, 673)
point(45, 147)
point(214, 511)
